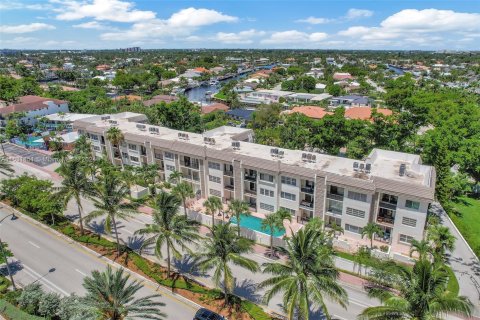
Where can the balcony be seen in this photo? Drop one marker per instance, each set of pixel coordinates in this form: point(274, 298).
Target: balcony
point(334, 211)
point(308, 189)
point(252, 205)
point(386, 219)
point(388, 205)
point(229, 187)
point(191, 177)
point(251, 192)
point(250, 177)
point(334, 196)
point(191, 165)
point(228, 173)
point(306, 204)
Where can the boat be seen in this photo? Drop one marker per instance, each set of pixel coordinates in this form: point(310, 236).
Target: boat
point(214, 82)
point(208, 93)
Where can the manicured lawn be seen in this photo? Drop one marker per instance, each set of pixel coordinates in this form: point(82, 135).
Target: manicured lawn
point(466, 217)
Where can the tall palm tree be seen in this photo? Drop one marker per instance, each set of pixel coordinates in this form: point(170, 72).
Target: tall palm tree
point(422, 248)
point(306, 277)
point(222, 250)
point(5, 166)
point(370, 230)
point(61, 156)
point(184, 191)
point(275, 221)
point(75, 185)
point(169, 229)
point(175, 177)
point(212, 204)
point(115, 135)
point(113, 297)
point(441, 239)
point(238, 208)
point(108, 196)
point(420, 293)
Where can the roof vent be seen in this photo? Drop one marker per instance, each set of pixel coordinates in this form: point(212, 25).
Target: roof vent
point(403, 169)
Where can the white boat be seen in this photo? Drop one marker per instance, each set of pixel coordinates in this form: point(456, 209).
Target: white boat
point(214, 82)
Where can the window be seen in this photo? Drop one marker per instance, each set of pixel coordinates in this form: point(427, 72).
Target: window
point(96, 148)
point(334, 206)
point(336, 190)
point(94, 137)
point(409, 222)
point(412, 204)
point(288, 196)
point(292, 212)
point(352, 228)
point(158, 155)
point(125, 155)
point(266, 192)
point(216, 193)
point(357, 196)
point(355, 212)
point(266, 177)
point(170, 168)
point(267, 207)
point(214, 179)
point(132, 146)
point(214, 165)
point(389, 198)
point(134, 159)
point(405, 239)
point(169, 155)
point(289, 180)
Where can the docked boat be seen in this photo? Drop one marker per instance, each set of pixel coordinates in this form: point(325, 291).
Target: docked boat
point(214, 82)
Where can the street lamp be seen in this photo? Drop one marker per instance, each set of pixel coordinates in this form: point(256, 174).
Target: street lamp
point(5, 256)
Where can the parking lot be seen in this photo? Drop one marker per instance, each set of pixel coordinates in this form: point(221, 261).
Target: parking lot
point(20, 154)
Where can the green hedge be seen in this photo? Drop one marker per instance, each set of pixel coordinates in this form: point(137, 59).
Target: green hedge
point(255, 311)
point(452, 285)
point(9, 311)
point(86, 238)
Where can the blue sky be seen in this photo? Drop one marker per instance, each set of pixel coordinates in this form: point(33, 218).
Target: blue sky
point(313, 24)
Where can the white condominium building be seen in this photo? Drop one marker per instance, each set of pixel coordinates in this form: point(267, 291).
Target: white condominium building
point(389, 188)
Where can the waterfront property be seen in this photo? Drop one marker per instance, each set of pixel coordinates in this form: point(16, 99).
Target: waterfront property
point(389, 188)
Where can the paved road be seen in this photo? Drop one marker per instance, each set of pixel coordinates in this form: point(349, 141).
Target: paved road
point(463, 262)
point(60, 265)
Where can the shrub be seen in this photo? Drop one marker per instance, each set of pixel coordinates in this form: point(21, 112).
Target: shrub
point(255, 311)
point(29, 299)
point(10, 312)
point(48, 306)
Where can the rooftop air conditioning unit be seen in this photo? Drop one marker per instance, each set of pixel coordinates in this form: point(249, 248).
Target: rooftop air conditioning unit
point(274, 152)
point(281, 154)
point(103, 118)
point(362, 167)
point(304, 156)
point(153, 130)
point(403, 169)
point(368, 167)
point(113, 123)
point(355, 166)
point(236, 145)
point(141, 127)
point(314, 158)
point(206, 140)
point(212, 141)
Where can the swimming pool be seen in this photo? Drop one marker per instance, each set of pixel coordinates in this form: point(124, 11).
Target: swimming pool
point(254, 223)
point(30, 142)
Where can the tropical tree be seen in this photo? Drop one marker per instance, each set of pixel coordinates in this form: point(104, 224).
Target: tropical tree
point(212, 204)
point(307, 276)
point(108, 197)
point(175, 177)
point(222, 250)
point(335, 229)
point(169, 229)
point(3, 139)
point(115, 135)
point(420, 293)
point(61, 156)
point(238, 208)
point(5, 166)
point(275, 221)
point(184, 191)
point(370, 230)
point(441, 239)
point(422, 248)
point(75, 185)
point(113, 297)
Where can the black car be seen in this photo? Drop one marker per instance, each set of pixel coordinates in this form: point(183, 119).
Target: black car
point(205, 314)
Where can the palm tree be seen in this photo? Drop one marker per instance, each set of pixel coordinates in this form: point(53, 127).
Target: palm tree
point(220, 251)
point(306, 277)
point(108, 198)
point(175, 177)
point(212, 204)
point(335, 229)
point(238, 208)
point(148, 174)
point(115, 135)
point(3, 139)
point(422, 248)
point(420, 293)
point(75, 185)
point(113, 298)
point(370, 230)
point(61, 156)
point(184, 191)
point(441, 239)
point(275, 221)
point(5, 166)
point(169, 229)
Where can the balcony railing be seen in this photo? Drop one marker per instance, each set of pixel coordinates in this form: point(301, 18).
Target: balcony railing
point(192, 165)
point(229, 187)
point(251, 192)
point(334, 211)
point(334, 196)
point(252, 205)
point(228, 173)
point(308, 189)
point(249, 177)
point(306, 204)
point(388, 205)
point(385, 219)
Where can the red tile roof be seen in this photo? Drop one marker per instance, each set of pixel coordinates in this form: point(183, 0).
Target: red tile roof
point(29, 103)
point(201, 69)
point(214, 107)
point(311, 111)
point(364, 113)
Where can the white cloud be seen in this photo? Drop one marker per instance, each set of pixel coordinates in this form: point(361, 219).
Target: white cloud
point(93, 25)
point(25, 28)
point(14, 5)
point(17, 41)
point(358, 13)
point(242, 37)
point(180, 24)
point(314, 20)
point(109, 10)
point(294, 37)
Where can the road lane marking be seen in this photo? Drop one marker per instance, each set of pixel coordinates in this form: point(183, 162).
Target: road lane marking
point(357, 302)
point(42, 279)
point(33, 244)
point(128, 231)
point(83, 274)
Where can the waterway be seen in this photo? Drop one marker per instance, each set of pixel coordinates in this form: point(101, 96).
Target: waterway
point(395, 69)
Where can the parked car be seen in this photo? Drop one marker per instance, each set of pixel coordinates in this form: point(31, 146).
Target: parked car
point(205, 314)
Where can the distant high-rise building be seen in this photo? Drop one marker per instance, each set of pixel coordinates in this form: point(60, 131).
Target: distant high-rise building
point(132, 49)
